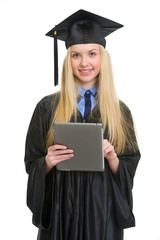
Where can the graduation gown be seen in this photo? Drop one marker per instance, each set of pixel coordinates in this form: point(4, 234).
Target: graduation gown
point(77, 205)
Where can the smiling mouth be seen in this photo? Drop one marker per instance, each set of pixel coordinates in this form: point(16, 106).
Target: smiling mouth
point(85, 70)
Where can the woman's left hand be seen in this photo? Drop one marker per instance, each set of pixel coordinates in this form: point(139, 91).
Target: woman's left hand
point(111, 156)
point(109, 152)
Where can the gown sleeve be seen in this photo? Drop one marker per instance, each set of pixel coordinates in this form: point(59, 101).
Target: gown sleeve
point(39, 184)
point(122, 183)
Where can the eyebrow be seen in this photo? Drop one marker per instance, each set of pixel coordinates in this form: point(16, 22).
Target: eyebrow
point(93, 50)
point(88, 51)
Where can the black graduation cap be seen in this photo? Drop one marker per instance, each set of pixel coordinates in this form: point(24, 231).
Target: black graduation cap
point(82, 27)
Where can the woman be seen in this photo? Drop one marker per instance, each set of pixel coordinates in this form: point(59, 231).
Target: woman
point(82, 205)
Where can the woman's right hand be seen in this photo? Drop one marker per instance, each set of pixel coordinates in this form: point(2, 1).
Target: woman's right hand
point(56, 154)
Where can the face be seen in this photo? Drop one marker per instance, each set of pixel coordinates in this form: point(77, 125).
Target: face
point(86, 63)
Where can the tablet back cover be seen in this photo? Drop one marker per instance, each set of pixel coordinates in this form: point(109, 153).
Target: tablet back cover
point(86, 139)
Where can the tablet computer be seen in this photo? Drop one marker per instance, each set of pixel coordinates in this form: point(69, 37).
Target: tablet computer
point(86, 140)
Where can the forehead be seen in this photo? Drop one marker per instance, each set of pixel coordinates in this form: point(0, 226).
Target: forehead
point(84, 47)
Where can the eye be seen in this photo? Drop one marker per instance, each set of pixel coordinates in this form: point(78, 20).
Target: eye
point(76, 55)
point(92, 54)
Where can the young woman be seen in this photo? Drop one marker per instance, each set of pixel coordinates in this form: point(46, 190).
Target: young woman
point(82, 205)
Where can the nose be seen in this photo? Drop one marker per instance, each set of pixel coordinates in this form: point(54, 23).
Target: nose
point(84, 61)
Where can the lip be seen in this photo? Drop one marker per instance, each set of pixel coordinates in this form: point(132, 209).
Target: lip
point(85, 72)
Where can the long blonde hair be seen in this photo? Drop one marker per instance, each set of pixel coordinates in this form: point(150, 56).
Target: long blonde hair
point(108, 103)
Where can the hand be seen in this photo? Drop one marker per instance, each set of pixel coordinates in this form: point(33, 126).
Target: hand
point(56, 154)
point(111, 156)
point(109, 152)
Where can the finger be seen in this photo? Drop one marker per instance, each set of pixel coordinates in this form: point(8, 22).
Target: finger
point(62, 157)
point(59, 152)
point(105, 141)
point(56, 146)
point(62, 152)
point(109, 149)
point(58, 159)
point(107, 145)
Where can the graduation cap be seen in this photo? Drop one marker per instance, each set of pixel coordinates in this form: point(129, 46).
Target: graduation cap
point(82, 27)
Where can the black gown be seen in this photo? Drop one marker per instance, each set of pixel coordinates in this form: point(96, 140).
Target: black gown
point(77, 205)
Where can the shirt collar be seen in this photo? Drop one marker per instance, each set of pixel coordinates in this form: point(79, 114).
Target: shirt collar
point(93, 91)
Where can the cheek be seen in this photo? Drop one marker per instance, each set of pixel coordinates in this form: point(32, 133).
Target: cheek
point(98, 65)
point(73, 65)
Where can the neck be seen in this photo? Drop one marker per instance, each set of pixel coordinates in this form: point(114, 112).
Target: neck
point(87, 85)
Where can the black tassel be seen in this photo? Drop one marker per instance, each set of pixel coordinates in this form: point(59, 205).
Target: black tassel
point(55, 61)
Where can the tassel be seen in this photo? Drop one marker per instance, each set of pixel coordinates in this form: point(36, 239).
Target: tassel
point(55, 61)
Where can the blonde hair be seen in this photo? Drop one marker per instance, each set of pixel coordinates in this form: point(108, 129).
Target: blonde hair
point(108, 103)
point(68, 95)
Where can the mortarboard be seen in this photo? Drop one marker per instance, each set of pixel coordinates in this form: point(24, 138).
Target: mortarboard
point(82, 27)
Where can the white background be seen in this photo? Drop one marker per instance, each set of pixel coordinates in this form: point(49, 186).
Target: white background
point(26, 75)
